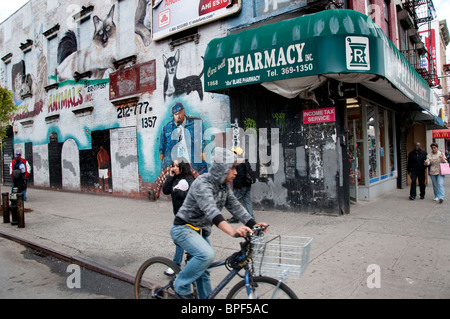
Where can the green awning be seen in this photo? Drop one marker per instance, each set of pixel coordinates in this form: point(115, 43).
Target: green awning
point(342, 44)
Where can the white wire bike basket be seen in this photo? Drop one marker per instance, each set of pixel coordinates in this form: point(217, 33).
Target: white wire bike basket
point(281, 256)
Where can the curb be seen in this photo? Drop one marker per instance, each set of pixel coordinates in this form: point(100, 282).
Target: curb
point(93, 266)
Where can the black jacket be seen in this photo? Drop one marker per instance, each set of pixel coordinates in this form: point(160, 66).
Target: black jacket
point(416, 160)
point(178, 196)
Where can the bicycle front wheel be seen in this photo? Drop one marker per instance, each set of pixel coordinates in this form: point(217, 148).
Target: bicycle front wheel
point(262, 288)
point(153, 279)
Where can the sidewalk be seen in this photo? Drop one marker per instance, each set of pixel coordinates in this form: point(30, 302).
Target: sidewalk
point(408, 240)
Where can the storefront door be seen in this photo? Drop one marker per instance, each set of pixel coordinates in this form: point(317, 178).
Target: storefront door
point(355, 142)
point(353, 159)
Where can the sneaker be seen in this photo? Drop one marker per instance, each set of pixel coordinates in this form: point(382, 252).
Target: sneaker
point(436, 199)
point(176, 294)
point(169, 272)
point(422, 197)
point(441, 200)
point(412, 197)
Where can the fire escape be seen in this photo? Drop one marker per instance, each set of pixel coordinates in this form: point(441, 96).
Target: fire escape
point(421, 12)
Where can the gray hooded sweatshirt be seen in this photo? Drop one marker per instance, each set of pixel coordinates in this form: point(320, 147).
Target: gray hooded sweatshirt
point(208, 195)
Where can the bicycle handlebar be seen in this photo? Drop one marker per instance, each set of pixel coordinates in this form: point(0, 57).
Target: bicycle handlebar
point(256, 229)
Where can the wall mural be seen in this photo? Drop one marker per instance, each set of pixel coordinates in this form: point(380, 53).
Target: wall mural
point(95, 58)
point(82, 141)
point(181, 128)
point(174, 86)
point(143, 21)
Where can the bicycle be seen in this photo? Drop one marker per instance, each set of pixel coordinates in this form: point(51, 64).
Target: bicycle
point(258, 257)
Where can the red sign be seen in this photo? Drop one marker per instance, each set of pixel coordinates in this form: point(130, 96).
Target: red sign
point(319, 115)
point(139, 78)
point(441, 134)
point(207, 6)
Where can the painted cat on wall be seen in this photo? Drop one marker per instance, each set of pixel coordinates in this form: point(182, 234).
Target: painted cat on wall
point(142, 22)
point(93, 58)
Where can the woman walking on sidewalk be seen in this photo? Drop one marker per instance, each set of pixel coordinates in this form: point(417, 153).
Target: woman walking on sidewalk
point(177, 185)
point(434, 160)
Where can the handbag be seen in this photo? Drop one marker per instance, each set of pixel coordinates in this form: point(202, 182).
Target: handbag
point(250, 175)
point(445, 169)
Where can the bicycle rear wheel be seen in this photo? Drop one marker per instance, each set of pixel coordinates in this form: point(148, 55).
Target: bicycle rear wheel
point(152, 282)
point(262, 288)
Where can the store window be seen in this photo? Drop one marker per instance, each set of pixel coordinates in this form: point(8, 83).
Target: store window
point(383, 158)
point(380, 143)
point(391, 137)
point(371, 116)
point(371, 144)
point(356, 142)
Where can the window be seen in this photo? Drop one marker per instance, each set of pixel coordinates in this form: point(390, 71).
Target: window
point(356, 143)
point(391, 138)
point(8, 75)
point(372, 142)
point(386, 15)
point(52, 59)
point(126, 12)
point(26, 90)
point(369, 9)
point(84, 34)
point(383, 151)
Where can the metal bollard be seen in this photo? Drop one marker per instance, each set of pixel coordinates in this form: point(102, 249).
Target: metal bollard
point(13, 206)
point(5, 207)
point(20, 211)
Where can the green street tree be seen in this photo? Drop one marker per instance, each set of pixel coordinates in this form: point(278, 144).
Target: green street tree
point(7, 109)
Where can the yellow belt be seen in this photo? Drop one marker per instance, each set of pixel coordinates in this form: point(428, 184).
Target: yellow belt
point(193, 227)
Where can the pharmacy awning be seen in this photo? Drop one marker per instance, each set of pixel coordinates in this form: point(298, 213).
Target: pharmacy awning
point(341, 44)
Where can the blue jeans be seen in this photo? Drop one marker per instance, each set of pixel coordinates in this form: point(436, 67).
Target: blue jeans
point(438, 185)
point(197, 268)
point(178, 257)
point(244, 194)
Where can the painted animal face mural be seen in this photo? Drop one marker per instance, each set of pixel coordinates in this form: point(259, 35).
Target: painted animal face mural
point(173, 86)
point(94, 58)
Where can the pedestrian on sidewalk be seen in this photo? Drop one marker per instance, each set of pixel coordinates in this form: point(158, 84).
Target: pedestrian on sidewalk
point(242, 184)
point(416, 169)
point(434, 160)
point(209, 193)
point(20, 170)
point(177, 185)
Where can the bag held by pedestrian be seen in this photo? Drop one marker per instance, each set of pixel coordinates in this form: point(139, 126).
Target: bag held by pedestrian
point(445, 169)
point(250, 175)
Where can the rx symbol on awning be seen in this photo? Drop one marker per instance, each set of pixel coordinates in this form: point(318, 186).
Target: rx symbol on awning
point(357, 52)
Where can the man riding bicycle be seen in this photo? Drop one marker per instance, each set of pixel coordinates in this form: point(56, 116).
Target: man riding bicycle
point(208, 194)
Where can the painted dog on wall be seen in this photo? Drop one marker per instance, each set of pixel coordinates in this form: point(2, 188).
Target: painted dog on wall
point(174, 86)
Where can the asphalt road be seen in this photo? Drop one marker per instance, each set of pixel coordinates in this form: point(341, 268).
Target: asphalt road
point(27, 274)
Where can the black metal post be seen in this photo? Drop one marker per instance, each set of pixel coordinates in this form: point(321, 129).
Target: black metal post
point(5, 207)
point(20, 211)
